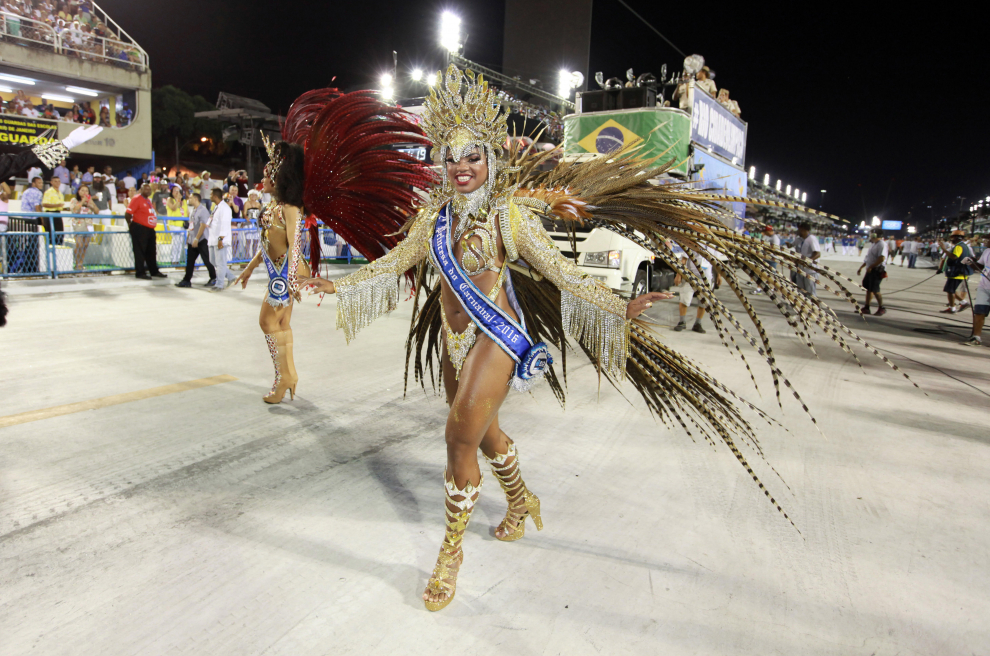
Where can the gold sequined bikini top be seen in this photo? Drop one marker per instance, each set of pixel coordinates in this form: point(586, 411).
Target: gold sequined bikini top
point(476, 260)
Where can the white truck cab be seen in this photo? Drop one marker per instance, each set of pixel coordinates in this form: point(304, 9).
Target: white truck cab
point(620, 263)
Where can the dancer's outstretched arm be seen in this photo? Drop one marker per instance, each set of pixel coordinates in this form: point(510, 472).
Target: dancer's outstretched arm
point(373, 290)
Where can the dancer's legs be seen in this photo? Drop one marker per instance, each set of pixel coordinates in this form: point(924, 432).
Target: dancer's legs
point(474, 403)
point(274, 323)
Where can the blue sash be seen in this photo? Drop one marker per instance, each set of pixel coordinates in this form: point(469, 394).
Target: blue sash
point(278, 281)
point(531, 358)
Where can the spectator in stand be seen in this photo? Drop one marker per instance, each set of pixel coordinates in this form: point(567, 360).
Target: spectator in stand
point(32, 197)
point(102, 198)
point(230, 180)
point(75, 178)
point(728, 103)
point(105, 117)
point(807, 247)
point(83, 204)
point(54, 201)
point(706, 82)
point(874, 261)
point(62, 174)
point(108, 176)
point(220, 240)
point(981, 303)
point(87, 177)
point(129, 181)
point(141, 221)
point(34, 172)
point(206, 189)
point(242, 184)
point(197, 240)
point(159, 197)
point(177, 209)
point(956, 273)
point(236, 204)
point(123, 192)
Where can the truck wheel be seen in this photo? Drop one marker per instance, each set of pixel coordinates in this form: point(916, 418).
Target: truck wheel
point(640, 285)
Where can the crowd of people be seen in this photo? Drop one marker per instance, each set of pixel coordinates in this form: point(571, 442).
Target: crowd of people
point(73, 28)
point(80, 112)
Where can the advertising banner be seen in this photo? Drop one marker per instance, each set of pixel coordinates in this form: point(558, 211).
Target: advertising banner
point(20, 130)
point(666, 133)
point(713, 126)
point(722, 177)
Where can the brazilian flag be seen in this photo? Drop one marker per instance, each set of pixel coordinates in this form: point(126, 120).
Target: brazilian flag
point(664, 131)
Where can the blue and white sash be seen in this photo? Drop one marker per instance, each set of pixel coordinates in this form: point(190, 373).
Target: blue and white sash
point(531, 358)
point(278, 281)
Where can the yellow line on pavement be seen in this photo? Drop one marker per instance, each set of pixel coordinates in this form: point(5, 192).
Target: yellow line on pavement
point(116, 399)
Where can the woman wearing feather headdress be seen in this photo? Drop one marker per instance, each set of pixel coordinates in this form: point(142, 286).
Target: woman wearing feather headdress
point(485, 219)
point(297, 180)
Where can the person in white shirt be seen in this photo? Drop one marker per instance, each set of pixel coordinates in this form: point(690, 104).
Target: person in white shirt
point(771, 239)
point(891, 249)
point(807, 246)
point(129, 181)
point(220, 240)
point(33, 172)
point(686, 292)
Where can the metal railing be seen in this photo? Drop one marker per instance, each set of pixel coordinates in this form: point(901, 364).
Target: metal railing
point(27, 253)
point(73, 43)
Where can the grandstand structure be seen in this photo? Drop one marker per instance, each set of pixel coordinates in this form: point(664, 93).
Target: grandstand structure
point(55, 77)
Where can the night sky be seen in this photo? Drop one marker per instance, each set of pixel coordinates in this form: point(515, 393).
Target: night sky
point(883, 108)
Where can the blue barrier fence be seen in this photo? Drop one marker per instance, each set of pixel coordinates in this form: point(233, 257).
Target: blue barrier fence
point(94, 243)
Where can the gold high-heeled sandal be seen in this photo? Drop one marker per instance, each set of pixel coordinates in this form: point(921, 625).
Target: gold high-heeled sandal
point(280, 348)
point(444, 578)
point(509, 476)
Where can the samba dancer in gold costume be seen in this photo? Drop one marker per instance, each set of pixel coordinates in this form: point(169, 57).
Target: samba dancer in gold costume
point(485, 219)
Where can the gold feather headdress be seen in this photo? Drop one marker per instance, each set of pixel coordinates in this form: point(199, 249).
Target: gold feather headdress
point(463, 112)
point(274, 159)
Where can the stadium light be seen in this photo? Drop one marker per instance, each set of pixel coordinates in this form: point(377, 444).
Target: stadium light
point(804, 197)
point(16, 78)
point(204, 139)
point(6, 90)
point(58, 98)
point(387, 93)
point(778, 185)
point(788, 190)
point(431, 80)
point(386, 79)
point(417, 74)
point(752, 173)
point(450, 31)
point(84, 92)
point(876, 221)
point(564, 84)
point(766, 179)
point(797, 192)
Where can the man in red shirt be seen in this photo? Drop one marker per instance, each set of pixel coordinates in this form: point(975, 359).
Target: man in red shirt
point(141, 222)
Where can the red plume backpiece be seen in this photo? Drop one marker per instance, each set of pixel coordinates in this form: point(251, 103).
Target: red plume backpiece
point(355, 183)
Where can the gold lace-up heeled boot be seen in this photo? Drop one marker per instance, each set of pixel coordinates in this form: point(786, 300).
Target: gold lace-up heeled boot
point(280, 347)
point(444, 578)
point(522, 502)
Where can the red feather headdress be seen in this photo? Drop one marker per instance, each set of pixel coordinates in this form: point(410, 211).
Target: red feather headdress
point(356, 183)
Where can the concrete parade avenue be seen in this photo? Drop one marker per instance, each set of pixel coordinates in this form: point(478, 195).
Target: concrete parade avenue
point(151, 503)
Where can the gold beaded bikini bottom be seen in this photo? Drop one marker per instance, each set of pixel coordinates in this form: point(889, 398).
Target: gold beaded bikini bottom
point(459, 344)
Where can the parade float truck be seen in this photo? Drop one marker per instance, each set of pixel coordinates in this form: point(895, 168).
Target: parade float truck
point(706, 145)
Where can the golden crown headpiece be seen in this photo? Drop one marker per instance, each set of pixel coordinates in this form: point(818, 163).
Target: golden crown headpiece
point(274, 160)
point(462, 112)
